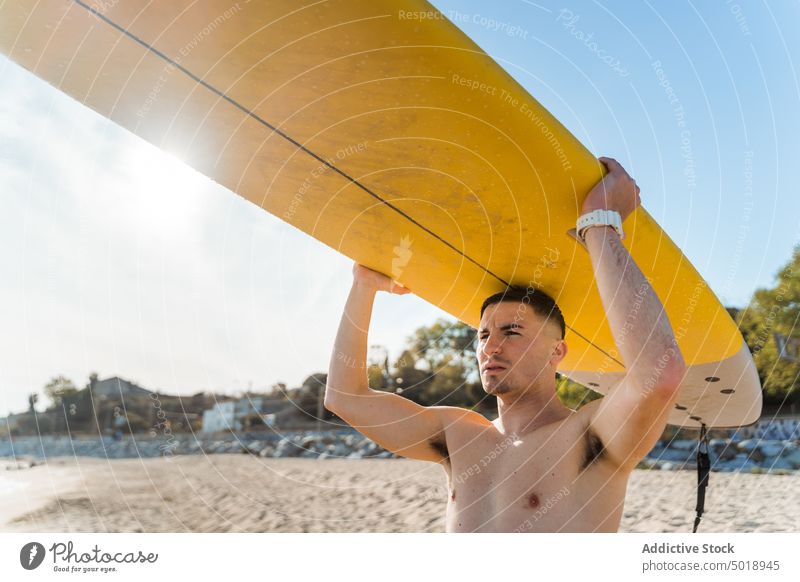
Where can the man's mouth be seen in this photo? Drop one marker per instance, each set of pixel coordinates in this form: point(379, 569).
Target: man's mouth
point(494, 368)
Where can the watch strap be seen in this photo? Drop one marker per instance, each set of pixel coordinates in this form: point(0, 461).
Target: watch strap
point(600, 217)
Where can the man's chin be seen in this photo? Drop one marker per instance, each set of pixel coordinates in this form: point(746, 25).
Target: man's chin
point(494, 388)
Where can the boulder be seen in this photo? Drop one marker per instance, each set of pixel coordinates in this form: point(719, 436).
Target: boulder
point(775, 464)
point(747, 445)
point(721, 449)
point(253, 447)
point(771, 448)
point(740, 463)
point(683, 445)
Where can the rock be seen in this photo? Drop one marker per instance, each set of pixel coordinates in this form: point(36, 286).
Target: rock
point(778, 464)
point(791, 453)
point(757, 455)
point(666, 466)
point(288, 448)
point(672, 455)
point(683, 445)
point(721, 449)
point(771, 448)
point(747, 445)
point(253, 447)
point(792, 458)
point(740, 463)
point(322, 456)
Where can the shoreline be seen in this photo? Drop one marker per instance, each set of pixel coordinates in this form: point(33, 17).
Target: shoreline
point(30, 489)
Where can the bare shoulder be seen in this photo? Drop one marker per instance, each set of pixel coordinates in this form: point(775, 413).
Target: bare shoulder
point(456, 422)
point(457, 416)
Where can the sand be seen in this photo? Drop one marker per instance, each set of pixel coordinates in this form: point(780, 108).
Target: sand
point(242, 493)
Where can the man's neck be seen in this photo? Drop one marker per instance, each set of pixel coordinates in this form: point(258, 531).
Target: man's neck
point(520, 414)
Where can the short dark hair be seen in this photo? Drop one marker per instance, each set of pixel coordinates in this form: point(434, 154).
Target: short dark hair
point(539, 301)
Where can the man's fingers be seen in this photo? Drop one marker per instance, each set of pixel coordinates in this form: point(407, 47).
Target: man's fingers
point(610, 163)
point(399, 289)
point(614, 166)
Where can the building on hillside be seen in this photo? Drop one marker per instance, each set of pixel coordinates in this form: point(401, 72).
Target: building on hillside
point(11, 422)
point(117, 387)
point(232, 415)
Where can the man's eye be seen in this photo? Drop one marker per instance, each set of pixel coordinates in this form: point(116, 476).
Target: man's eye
point(483, 337)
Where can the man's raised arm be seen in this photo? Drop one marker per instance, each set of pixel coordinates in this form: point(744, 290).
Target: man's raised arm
point(630, 419)
point(395, 423)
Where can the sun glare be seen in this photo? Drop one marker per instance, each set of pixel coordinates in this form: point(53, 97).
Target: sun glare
point(164, 194)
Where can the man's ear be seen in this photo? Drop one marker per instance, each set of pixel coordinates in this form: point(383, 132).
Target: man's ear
point(559, 353)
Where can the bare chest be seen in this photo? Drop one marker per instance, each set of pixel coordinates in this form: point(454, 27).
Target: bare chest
point(536, 483)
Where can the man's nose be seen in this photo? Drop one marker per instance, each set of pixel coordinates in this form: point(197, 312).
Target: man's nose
point(492, 345)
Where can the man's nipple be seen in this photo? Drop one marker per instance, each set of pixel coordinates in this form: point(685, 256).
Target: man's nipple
point(533, 500)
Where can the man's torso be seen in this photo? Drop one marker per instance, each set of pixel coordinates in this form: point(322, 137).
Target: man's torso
point(553, 479)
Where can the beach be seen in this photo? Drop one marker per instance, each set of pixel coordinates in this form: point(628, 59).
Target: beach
point(246, 493)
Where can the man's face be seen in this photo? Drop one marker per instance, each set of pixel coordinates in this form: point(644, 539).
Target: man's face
point(524, 346)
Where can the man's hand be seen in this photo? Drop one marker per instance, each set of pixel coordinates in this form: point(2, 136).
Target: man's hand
point(616, 191)
point(368, 278)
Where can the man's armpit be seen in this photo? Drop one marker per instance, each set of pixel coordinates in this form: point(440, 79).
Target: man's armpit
point(593, 448)
point(439, 445)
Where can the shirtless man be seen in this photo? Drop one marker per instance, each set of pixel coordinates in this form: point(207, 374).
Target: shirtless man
point(539, 467)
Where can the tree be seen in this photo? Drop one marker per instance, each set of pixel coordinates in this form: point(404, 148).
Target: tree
point(32, 400)
point(774, 311)
point(309, 397)
point(58, 388)
point(445, 342)
point(572, 394)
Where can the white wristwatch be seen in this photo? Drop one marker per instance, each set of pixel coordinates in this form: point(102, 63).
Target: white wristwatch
point(599, 218)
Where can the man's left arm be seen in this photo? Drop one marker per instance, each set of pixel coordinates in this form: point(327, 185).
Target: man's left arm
point(632, 416)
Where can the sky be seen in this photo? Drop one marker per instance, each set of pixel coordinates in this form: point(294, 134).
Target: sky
point(119, 259)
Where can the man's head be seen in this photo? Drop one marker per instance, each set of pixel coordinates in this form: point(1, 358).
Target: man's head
point(522, 334)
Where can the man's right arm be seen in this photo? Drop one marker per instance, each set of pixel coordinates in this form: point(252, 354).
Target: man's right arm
point(395, 423)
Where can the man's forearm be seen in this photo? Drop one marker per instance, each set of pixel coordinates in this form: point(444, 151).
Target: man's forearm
point(635, 314)
point(347, 373)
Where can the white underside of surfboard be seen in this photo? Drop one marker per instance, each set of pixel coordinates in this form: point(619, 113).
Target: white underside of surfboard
point(711, 394)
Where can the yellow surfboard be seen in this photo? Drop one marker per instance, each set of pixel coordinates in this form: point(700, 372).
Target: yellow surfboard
point(382, 130)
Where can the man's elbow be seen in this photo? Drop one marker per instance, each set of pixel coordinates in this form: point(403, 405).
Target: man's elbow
point(330, 401)
point(668, 373)
point(335, 400)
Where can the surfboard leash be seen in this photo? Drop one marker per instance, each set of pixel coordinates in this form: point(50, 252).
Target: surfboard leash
point(703, 470)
